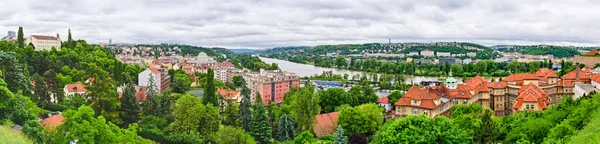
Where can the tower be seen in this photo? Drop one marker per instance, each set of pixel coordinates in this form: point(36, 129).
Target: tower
point(109, 41)
point(451, 82)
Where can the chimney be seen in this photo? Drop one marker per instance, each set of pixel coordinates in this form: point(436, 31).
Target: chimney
point(577, 69)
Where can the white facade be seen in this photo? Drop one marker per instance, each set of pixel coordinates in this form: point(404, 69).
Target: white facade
point(427, 53)
point(44, 42)
point(471, 54)
point(443, 54)
point(387, 107)
point(144, 76)
point(581, 89)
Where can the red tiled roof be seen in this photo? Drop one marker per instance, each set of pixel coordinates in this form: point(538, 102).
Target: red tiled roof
point(583, 74)
point(384, 100)
point(519, 77)
point(475, 81)
point(75, 88)
point(53, 121)
point(593, 52)
point(140, 95)
point(187, 67)
point(227, 93)
point(325, 124)
point(427, 95)
point(496, 85)
point(154, 70)
point(546, 73)
point(531, 93)
point(225, 64)
point(44, 37)
point(596, 78)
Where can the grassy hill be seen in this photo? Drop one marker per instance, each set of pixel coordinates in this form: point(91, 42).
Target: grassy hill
point(590, 132)
point(10, 136)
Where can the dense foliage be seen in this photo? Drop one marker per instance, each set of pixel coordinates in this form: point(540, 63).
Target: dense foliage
point(557, 51)
point(252, 62)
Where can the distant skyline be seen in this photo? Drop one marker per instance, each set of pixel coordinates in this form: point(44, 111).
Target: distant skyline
point(276, 23)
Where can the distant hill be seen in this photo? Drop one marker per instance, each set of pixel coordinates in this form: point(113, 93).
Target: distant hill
point(557, 51)
point(246, 51)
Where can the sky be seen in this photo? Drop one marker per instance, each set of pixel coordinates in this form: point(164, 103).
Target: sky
point(274, 23)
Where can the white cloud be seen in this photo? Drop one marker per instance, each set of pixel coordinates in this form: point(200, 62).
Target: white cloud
point(271, 23)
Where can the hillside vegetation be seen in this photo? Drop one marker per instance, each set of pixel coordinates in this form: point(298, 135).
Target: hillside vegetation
point(10, 136)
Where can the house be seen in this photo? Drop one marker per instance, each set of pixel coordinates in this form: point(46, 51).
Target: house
point(385, 103)
point(161, 78)
point(71, 89)
point(531, 98)
point(325, 124)
point(44, 42)
point(230, 94)
point(53, 121)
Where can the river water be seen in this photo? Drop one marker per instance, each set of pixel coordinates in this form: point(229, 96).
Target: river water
point(303, 70)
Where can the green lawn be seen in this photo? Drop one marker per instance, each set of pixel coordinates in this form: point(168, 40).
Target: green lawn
point(10, 136)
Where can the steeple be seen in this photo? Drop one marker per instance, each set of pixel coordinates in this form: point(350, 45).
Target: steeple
point(451, 82)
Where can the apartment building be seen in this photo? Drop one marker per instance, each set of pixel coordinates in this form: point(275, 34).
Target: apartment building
point(162, 80)
point(221, 69)
point(271, 85)
point(44, 42)
point(515, 93)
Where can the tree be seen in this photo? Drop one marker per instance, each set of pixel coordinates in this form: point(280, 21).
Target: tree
point(421, 129)
point(103, 94)
point(21, 38)
point(231, 135)
point(332, 98)
point(81, 125)
point(150, 106)
point(260, 127)
point(286, 130)
point(340, 137)
point(364, 119)
point(487, 132)
point(231, 114)
point(305, 107)
point(210, 95)
point(368, 95)
point(41, 95)
point(245, 106)
point(341, 62)
point(192, 117)
point(305, 137)
point(533, 67)
point(355, 92)
point(237, 81)
point(129, 105)
point(395, 96)
point(70, 42)
point(181, 83)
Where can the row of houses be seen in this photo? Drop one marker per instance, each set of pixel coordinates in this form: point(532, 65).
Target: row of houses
point(513, 94)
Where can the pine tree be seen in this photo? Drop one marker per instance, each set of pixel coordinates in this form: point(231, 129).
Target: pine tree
point(245, 106)
point(232, 117)
point(20, 38)
point(129, 106)
point(41, 95)
point(151, 102)
point(488, 131)
point(210, 95)
point(286, 128)
point(70, 42)
point(340, 137)
point(261, 130)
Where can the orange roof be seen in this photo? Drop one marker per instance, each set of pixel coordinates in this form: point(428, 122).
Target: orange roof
point(384, 100)
point(531, 93)
point(596, 78)
point(227, 93)
point(427, 95)
point(154, 70)
point(225, 64)
point(519, 77)
point(187, 67)
point(546, 73)
point(461, 91)
point(593, 52)
point(583, 74)
point(140, 96)
point(41, 37)
point(75, 88)
point(53, 121)
point(496, 85)
point(325, 124)
point(475, 81)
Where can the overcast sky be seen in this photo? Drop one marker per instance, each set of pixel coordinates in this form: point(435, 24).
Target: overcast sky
point(272, 23)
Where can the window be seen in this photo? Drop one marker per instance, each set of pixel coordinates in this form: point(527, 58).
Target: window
point(465, 101)
point(415, 111)
point(426, 112)
point(526, 107)
point(455, 101)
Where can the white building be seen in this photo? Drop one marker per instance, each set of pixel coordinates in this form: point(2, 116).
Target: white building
point(162, 80)
point(44, 42)
point(581, 89)
point(385, 103)
point(72, 89)
point(202, 58)
point(471, 54)
point(220, 70)
point(427, 53)
point(443, 54)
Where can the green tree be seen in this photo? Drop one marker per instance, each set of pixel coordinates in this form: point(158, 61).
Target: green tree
point(70, 42)
point(368, 95)
point(364, 119)
point(103, 94)
point(233, 135)
point(181, 83)
point(340, 137)
point(421, 129)
point(231, 114)
point(21, 38)
point(129, 105)
point(341, 62)
point(305, 137)
point(533, 67)
point(192, 117)
point(151, 104)
point(210, 95)
point(260, 127)
point(237, 81)
point(286, 129)
point(81, 125)
point(332, 98)
point(355, 92)
point(41, 95)
point(305, 107)
point(395, 96)
point(245, 106)
point(488, 131)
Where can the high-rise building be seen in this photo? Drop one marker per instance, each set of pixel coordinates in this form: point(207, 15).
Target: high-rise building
point(271, 85)
point(12, 33)
point(162, 80)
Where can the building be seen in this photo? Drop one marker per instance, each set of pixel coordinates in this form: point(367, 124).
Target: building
point(531, 98)
point(230, 94)
point(162, 80)
point(12, 33)
point(53, 121)
point(384, 102)
point(202, 58)
point(271, 85)
point(444, 54)
point(44, 42)
point(232, 73)
point(220, 70)
point(449, 61)
point(583, 89)
point(427, 53)
point(471, 54)
point(325, 124)
point(71, 89)
point(588, 61)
